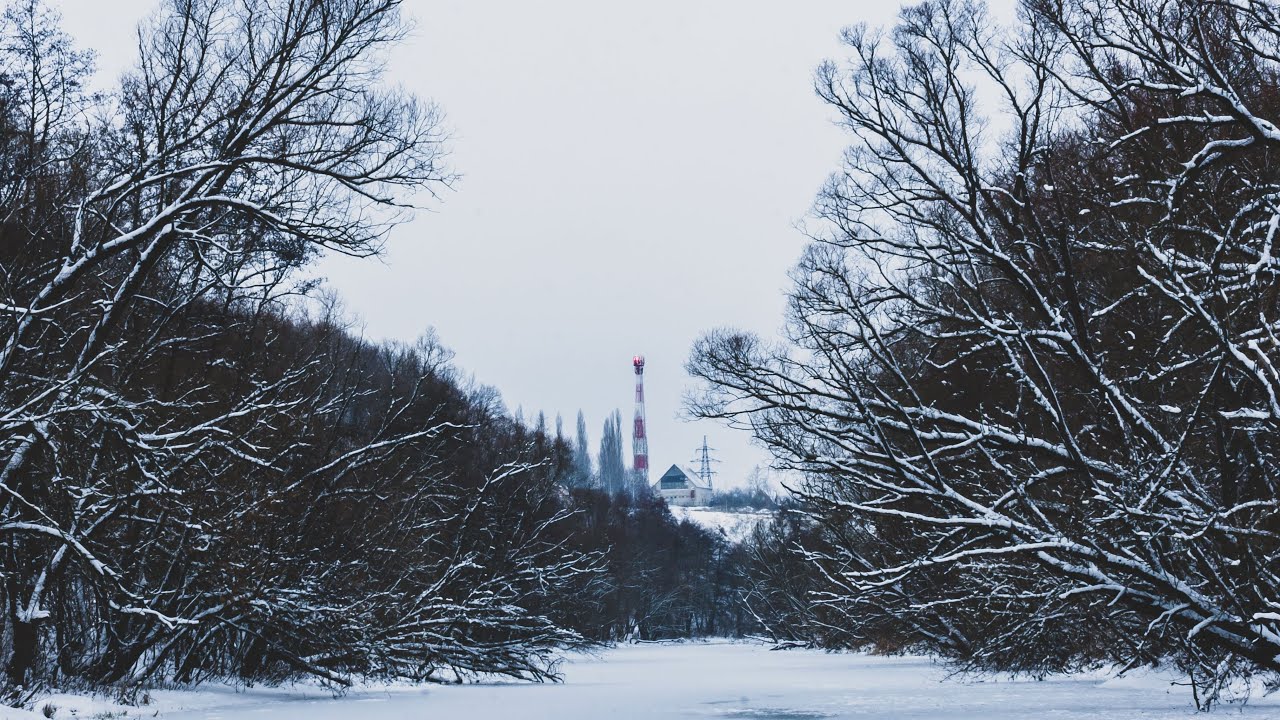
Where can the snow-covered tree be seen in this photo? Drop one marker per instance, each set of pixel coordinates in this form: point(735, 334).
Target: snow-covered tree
point(195, 478)
point(1030, 373)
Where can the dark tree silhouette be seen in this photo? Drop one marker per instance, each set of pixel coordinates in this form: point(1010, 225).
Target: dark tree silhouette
point(1030, 380)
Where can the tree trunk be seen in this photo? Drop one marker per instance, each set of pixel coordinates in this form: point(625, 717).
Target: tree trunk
point(23, 657)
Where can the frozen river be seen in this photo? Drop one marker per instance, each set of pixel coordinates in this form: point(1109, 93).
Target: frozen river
point(722, 680)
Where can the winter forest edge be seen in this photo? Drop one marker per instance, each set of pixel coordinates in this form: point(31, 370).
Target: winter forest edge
point(1026, 402)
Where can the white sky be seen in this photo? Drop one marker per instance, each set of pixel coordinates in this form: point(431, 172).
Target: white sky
point(632, 174)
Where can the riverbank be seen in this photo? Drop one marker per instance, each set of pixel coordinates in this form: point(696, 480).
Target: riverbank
point(701, 680)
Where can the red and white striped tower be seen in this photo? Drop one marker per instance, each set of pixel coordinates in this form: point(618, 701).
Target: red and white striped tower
point(640, 438)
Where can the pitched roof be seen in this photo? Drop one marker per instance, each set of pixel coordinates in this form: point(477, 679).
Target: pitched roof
point(678, 474)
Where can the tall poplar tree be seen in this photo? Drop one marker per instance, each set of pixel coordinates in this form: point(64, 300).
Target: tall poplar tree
point(581, 455)
point(613, 474)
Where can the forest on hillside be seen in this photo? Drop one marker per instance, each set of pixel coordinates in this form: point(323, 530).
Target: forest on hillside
point(205, 473)
point(1026, 403)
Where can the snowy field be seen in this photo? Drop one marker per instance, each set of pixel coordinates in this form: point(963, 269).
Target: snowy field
point(704, 680)
point(736, 526)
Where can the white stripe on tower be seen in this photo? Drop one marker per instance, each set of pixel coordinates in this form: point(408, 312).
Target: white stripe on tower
point(639, 438)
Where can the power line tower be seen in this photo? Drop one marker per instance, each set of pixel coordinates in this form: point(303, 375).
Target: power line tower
point(639, 438)
point(704, 461)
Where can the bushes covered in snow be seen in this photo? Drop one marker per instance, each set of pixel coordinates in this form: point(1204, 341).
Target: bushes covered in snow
point(1031, 384)
point(197, 478)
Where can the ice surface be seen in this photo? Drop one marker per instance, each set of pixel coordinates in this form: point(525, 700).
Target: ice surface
point(712, 680)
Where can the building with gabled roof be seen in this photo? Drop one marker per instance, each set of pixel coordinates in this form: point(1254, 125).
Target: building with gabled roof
point(679, 486)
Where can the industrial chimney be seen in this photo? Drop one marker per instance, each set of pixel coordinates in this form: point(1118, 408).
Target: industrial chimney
point(639, 438)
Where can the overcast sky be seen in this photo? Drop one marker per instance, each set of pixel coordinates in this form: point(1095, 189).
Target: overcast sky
point(632, 175)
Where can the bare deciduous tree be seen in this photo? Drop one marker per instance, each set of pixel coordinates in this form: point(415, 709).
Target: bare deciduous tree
point(1031, 363)
point(196, 479)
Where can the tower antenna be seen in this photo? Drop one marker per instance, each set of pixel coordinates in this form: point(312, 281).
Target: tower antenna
point(704, 461)
point(639, 437)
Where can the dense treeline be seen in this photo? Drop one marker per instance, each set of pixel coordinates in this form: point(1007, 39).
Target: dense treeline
point(203, 473)
point(1031, 379)
point(663, 578)
point(755, 496)
point(198, 478)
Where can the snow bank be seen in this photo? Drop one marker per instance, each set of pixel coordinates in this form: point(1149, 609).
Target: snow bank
point(701, 680)
point(209, 701)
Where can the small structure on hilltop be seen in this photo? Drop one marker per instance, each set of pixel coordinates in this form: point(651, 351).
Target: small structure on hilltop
point(679, 486)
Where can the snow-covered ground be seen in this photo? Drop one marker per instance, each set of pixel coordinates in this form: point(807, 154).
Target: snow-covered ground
point(736, 526)
point(706, 680)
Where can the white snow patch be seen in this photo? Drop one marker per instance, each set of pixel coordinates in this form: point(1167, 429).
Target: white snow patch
point(736, 526)
point(708, 680)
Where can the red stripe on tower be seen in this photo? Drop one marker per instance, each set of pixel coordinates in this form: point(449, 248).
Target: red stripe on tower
point(639, 438)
